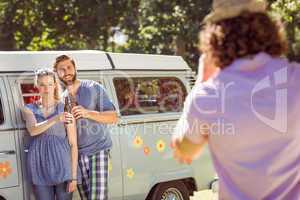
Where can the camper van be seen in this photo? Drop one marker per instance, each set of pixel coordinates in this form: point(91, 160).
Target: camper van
point(148, 92)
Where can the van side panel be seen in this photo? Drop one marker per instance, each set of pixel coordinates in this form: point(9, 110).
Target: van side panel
point(10, 169)
point(147, 158)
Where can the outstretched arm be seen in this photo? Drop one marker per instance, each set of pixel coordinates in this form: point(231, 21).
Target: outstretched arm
point(35, 128)
point(188, 140)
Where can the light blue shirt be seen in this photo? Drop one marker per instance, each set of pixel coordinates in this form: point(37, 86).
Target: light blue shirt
point(93, 136)
point(251, 110)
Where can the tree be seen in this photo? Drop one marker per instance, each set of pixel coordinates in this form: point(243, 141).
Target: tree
point(289, 10)
point(56, 24)
point(152, 26)
point(166, 27)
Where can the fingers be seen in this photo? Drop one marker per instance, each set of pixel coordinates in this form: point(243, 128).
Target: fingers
point(181, 158)
point(175, 142)
point(71, 187)
point(76, 108)
point(173, 145)
point(68, 188)
point(78, 112)
point(68, 118)
point(178, 155)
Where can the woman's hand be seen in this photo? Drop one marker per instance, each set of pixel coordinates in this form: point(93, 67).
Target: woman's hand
point(72, 185)
point(66, 118)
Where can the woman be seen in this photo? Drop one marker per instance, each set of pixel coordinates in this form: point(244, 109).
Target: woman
point(248, 111)
point(53, 154)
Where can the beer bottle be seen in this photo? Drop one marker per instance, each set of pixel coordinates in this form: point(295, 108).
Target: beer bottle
point(68, 107)
point(68, 104)
point(73, 100)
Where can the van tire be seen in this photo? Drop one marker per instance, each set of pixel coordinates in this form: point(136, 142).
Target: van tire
point(175, 188)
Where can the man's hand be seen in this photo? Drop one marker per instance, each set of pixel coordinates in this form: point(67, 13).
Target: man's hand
point(185, 151)
point(79, 112)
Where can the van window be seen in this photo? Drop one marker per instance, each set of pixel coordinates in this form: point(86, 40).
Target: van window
point(29, 93)
point(1, 113)
point(149, 95)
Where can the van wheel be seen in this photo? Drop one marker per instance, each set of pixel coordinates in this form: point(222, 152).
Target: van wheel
point(175, 190)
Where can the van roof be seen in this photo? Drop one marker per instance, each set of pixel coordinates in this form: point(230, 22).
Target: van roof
point(11, 61)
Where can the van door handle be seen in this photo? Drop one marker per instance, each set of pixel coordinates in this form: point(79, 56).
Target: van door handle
point(121, 124)
point(12, 152)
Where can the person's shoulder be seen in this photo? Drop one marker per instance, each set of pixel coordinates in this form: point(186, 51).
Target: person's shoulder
point(199, 99)
point(89, 83)
point(85, 82)
point(93, 86)
point(29, 108)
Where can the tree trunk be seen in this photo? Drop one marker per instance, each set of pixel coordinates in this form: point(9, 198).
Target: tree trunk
point(180, 48)
point(291, 34)
point(7, 40)
point(7, 30)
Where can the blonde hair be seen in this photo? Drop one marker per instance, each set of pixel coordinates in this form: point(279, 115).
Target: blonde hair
point(48, 72)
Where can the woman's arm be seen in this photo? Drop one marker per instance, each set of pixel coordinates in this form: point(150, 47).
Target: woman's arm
point(72, 138)
point(35, 128)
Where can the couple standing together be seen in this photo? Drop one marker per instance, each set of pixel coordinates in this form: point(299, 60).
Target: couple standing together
point(68, 149)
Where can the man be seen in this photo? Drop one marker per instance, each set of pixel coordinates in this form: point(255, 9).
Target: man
point(248, 112)
point(93, 110)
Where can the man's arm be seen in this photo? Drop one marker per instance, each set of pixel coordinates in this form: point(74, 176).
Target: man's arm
point(104, 112)
point(105, 117)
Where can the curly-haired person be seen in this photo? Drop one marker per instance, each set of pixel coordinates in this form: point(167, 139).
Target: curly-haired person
point(247, 110)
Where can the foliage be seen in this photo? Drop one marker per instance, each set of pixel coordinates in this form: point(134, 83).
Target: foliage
point(289, 10)
point(152, 26)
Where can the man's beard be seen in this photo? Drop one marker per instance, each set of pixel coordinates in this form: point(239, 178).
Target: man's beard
point(70, 82)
